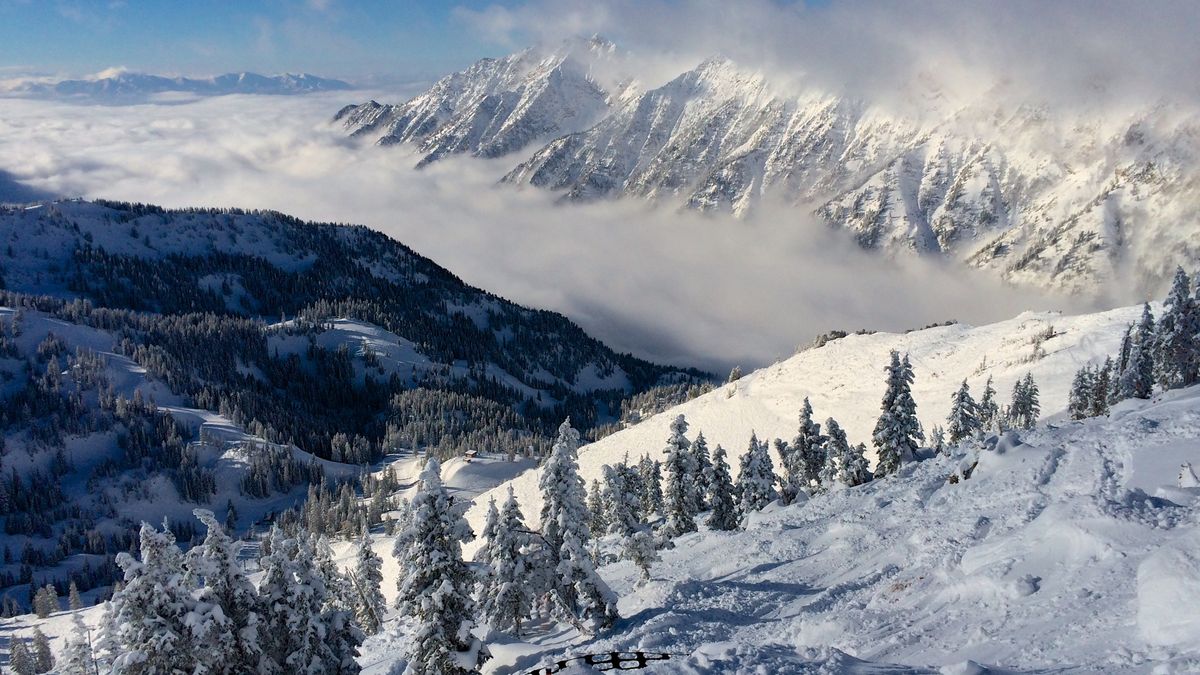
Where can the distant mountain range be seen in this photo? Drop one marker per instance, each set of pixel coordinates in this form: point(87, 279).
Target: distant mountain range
point(1039, 197)
point(134, 85)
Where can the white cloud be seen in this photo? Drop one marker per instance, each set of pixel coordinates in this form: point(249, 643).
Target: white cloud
point(682, 287)
point(1099, 52)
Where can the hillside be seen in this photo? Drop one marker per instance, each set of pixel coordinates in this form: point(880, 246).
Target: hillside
point(1055, 554)
point(844, 379)
point(146, 371)
point(1066, 547)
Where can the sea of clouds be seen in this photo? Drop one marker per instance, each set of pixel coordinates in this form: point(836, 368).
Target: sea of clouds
point(680, 287)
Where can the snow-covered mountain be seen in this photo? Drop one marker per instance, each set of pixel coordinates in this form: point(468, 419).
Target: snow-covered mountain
point(498, 106)
point(1041, 196)
point(126, 85)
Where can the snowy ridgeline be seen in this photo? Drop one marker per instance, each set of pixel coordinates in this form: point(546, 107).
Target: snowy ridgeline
point(1017, 187)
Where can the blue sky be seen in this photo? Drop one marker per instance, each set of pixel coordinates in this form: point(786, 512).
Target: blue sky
point(354, 39)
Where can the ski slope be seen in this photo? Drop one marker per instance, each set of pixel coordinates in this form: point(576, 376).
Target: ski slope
point(844, 379)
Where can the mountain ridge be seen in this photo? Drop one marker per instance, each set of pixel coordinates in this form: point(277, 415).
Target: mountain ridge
point(1062, 200)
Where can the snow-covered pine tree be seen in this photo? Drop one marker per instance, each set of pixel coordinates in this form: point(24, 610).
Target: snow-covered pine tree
point(77, 652)
point(20, 660)
point(756, 478)
point(722, 508)
point(836, 448)
point(74, 602)
point(989, 409)
point(339, 594)
point(1079, 400)
point(597, 513)
point(300, 632)
point(650, 472)
point(638, 545)
point(963, 421)
point(897, 431)
point(620, 502)
point(1025, 407)
point(1176, 343)
point(150, 618)
point(489, 530)
point(854, 469)
point(435, 584)
point(937, 440)
point(508, 597)
point(226, 640)
point(1137, 379)
point(702, 460)
point(106, 647)
point(1101, 387)
point(369, 606)
point(679, 489)
point(580, 594)
point(43, 659)
point(807, 452)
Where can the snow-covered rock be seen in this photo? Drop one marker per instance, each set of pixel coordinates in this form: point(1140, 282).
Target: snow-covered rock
point(1042, 197)
point(497, 106)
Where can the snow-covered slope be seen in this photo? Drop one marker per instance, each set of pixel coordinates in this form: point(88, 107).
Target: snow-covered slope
point(844, 379)
point(1054, 554)
point(497, 106)
point(122, 85)
point(1069, 546)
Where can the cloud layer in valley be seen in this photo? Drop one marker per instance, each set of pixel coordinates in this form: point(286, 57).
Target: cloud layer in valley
point(679, 287)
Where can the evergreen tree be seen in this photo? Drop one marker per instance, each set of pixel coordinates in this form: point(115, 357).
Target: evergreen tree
point(370, 607)
point(490, 521)
point(702, 461)
point(620, 500)
point(897, 431)
point(1025, 407)
point(299, 633)
point(963, 421)
point(679, 490)
point(989, 410)
point(756, 479)
point(20, 660)
point(226, 640)
point(149, 622)
point(837, 448)
point(74, 602)
point(580, 594)
point(43, 660)
point(434, 583)
point(854, 469)
point(722, 509)
point(508, 596)
point(1079, 401)
point(651, 481)
point(1137, 379)
point(640, 548)
point(807, 452)
point(77, 652)
point(1177, 345)
point(597, 514)
point(937, 440)
point(1101, 388)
